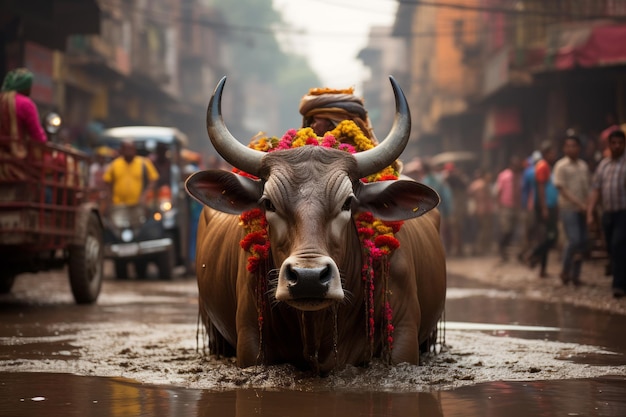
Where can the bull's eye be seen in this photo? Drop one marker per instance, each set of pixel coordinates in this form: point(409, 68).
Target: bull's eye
point(347, 205)
point(268, 205)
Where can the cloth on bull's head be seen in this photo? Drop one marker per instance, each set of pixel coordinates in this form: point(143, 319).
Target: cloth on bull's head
point(20, 80)
point(334, 106)
point(377, 237)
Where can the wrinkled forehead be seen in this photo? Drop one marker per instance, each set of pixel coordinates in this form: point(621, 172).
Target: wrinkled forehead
point(309, 162)
point(309, 170)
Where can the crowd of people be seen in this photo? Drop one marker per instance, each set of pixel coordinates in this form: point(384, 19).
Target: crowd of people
point(540, 203)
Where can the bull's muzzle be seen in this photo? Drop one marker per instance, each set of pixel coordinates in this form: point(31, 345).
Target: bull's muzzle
point(310, 287)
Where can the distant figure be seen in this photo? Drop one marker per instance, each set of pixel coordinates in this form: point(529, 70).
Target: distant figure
point(508, 197)
point(130, 177)
point(19, 117)
point(98, 168)
point(571, 177)
point(163, 164)
point(609, 187)
point(428, 177)
point(323, 109)
point(458, 182)
point(546, 211)
point(528, 205)
point(479, 193)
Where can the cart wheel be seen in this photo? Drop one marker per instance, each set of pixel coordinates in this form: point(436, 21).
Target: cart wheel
point(121, 271)
point(85, 263)
point(165, 263)
point(6, 283)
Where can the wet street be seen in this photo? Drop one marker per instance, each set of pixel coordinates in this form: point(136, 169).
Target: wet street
point(138, 351)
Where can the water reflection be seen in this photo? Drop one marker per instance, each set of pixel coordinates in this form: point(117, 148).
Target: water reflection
point(314, 404)
point(30, 394)
point(576, 324)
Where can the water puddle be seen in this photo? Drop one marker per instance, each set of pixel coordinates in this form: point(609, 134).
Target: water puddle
point(45, 394)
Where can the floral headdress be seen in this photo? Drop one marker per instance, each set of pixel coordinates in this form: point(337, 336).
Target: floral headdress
point(377, 237)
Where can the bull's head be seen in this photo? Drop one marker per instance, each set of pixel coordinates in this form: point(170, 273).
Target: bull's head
point(309, 195)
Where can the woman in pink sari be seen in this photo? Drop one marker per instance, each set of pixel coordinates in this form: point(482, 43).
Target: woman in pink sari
point(19, 117)
point(19, 123)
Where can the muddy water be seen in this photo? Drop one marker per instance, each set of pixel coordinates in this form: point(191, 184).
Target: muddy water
point(507, 357)
point(32, 394)
point(563, 322)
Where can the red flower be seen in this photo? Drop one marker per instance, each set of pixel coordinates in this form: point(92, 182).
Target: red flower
point(395, 226)
point(258, 237)
point(366, 217)
point(388, 241)
point(250, 215)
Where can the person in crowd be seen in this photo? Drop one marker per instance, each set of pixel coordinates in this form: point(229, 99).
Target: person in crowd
point(609, 187)
point(508, 198)
point(546, 209)
point(427, 176)
point(458, 183)
point(527, 213)
point(130, 177)
point(323, 109)
point(163, 164)
point(481, 198)
point(19, 117)
point(572, 178)
point(611, 125)
point(98, 167)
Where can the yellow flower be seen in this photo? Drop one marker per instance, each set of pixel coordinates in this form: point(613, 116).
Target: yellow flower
point(302, 136)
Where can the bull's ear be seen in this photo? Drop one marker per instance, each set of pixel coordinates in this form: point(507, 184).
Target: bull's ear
point(224, 191)
point(396, 200)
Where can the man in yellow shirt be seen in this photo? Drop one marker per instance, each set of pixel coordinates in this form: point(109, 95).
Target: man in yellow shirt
point(130, 176)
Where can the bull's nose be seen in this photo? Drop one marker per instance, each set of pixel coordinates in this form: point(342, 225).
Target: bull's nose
point(308, 282)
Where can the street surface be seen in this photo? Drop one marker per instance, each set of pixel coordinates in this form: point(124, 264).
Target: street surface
point(146, 331)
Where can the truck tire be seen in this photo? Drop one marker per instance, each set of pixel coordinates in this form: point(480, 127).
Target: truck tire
point(86, 261)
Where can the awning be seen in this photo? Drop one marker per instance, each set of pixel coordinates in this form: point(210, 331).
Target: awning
point(50, 22)
point(589, 47)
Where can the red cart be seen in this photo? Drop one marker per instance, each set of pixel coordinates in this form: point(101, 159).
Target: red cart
point(46, 219)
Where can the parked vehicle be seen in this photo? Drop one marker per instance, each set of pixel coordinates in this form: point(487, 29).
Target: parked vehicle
point(159, 231)
point(46, 220)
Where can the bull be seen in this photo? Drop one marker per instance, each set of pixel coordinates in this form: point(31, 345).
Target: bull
point(315, 316)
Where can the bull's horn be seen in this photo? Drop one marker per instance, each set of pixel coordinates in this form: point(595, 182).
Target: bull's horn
point(234, 152)
point(383, 155)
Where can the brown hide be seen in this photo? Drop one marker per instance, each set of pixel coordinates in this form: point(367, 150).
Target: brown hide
point(306, 339)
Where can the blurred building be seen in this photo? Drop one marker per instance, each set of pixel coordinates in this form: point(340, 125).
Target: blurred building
point(385, 56)
point(32, 30)
point(500, 76)
point(147, 62)
point(153, 63)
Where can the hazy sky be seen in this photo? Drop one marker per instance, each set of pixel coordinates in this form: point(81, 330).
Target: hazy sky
point(333, 33)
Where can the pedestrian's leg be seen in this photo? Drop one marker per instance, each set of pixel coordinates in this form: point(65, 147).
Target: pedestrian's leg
point(506, 231)
point(618, 251)
point(580, 249)
point(568, 218)
point(542, 241)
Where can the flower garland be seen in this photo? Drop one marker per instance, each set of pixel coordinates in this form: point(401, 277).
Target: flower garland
point(377, 237)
